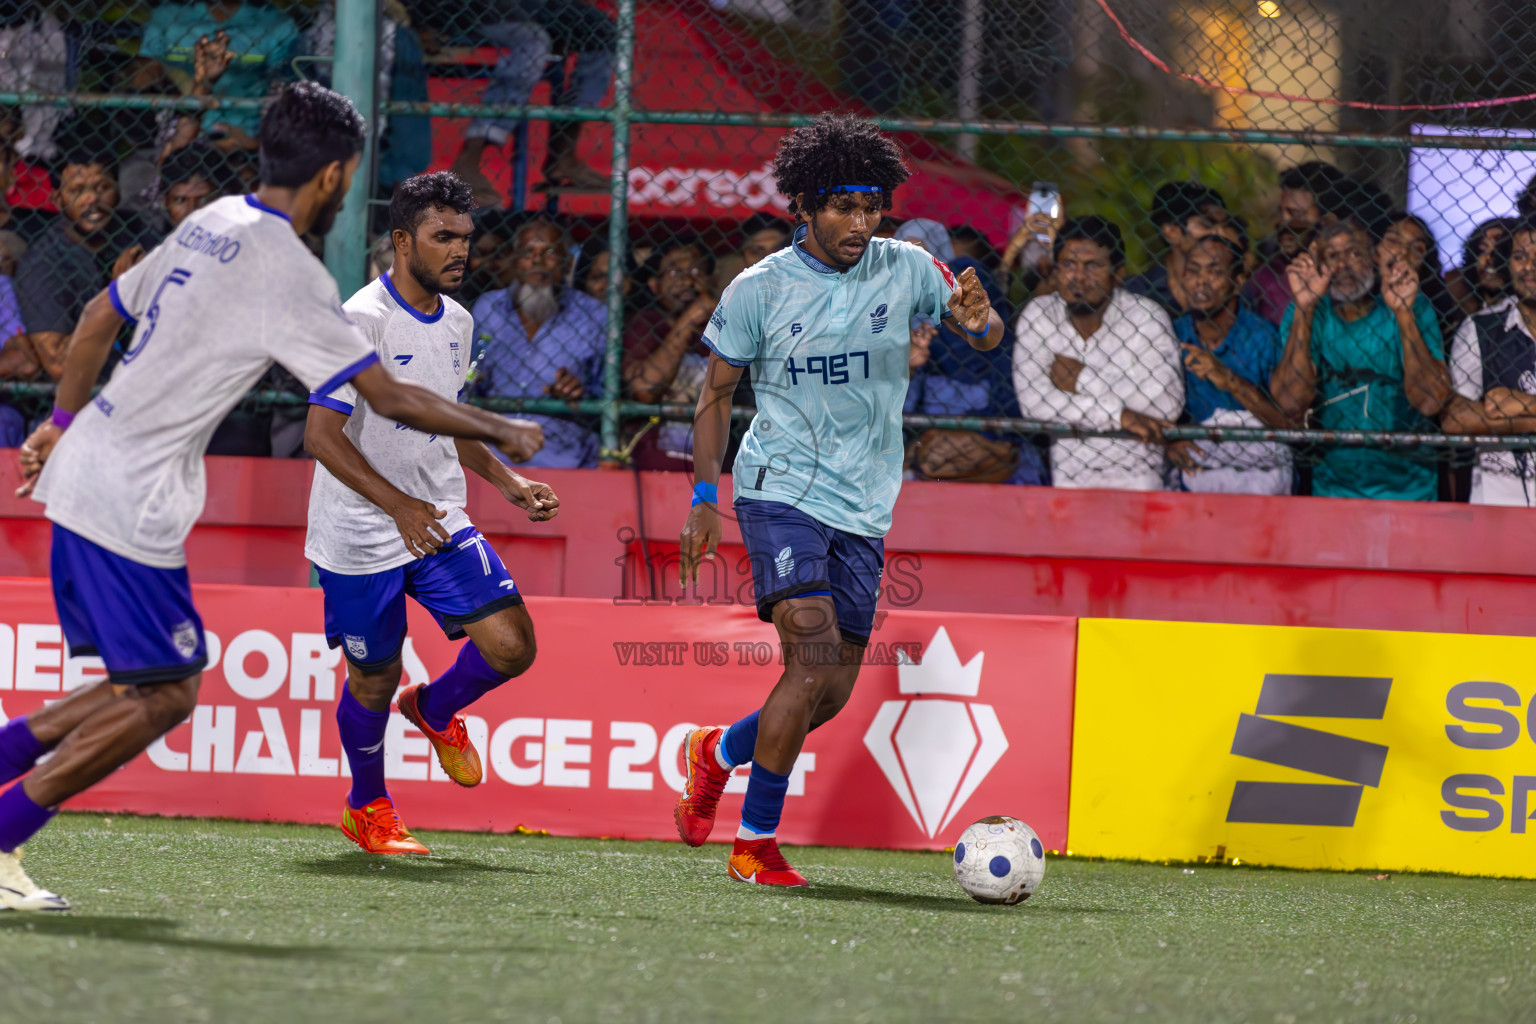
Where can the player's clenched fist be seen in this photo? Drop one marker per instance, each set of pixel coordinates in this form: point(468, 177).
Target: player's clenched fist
point(969, 302)
point(34, 452)
point(524, 441)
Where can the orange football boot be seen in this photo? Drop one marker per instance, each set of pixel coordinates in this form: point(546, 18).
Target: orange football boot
point(377, 829)
point(759, 862)
point(455, 753)
point(705, 781)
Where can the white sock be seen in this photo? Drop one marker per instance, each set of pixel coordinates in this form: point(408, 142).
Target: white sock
point(720, 752)
point(748, 836)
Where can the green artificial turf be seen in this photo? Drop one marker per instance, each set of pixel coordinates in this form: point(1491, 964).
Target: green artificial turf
point(219, 921)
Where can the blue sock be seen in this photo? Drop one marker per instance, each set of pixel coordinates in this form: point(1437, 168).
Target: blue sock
point(19, 749)
point(20, 818)
point(469, 679)
point(738, 743)
point(362, 737)
point(765, 801)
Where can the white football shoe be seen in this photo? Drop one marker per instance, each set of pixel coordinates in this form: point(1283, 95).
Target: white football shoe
point(18, 892)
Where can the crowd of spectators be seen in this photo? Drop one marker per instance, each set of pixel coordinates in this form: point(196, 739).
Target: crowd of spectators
point(1342, 318)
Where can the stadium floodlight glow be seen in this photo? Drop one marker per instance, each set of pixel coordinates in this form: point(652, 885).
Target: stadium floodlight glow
point(1269, 9)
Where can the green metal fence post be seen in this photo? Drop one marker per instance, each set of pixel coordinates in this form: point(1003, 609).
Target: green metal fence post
point(357, 33)
point(618, 226)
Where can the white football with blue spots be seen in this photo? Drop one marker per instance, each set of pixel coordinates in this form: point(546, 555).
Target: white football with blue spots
point(999, 860)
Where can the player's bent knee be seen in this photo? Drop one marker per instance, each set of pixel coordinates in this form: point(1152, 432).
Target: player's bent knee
point(511, 655)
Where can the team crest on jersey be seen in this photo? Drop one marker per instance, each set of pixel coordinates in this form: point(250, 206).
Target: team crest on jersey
point(795, 329)
point(357, 647)
point(184, 639)
point(453, 347)
point(784, 564)
point(878, 319)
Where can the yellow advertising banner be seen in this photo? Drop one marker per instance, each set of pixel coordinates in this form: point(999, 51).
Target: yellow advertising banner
point(1308, 748)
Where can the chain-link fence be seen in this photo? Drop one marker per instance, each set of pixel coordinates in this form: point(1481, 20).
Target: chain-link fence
point(1203, 162)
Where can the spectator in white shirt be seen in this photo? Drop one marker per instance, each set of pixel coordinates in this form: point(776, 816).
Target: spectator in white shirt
point(1097, 357)
point(1493, 368)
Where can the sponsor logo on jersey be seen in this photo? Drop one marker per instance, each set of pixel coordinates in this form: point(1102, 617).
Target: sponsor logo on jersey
point(878, 319)
point(458, 363)
point(784, 563)
point(357, 647)
point(949, 277)
point(794, 329)
point(184, 639)
point(718, 316)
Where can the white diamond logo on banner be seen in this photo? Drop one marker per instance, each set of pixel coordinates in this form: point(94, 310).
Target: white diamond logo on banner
point(936, 749)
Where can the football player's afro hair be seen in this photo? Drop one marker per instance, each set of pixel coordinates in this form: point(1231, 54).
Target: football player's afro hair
point(833, 150)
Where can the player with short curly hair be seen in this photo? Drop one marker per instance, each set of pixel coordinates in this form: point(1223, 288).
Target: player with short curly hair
point(387, 519)
point(823, 324)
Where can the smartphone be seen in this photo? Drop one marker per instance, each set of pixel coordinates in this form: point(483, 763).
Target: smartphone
point(1046, 199)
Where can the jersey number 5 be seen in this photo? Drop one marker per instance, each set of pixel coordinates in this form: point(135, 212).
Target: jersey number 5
point(178, 276)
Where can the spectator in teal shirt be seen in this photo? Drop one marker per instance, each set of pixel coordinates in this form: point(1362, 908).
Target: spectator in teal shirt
point(1362, 358)
point(260, 41)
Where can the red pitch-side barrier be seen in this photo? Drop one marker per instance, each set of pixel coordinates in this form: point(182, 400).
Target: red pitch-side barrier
point(1439, 568)
point(588, 742)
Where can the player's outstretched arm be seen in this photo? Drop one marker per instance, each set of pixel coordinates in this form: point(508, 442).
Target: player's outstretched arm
point(537, 498)
point(974, 318)
point(417, 520)
point(711, 430)
point(83, 360)
point(418, 407)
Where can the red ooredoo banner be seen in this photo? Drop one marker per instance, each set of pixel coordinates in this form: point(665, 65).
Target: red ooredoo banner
point(589, 741)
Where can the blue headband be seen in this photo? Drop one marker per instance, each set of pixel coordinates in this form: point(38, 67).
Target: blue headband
point(850, 188)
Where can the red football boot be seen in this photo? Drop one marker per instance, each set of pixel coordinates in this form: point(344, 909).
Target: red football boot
point(759, 862)
point(695, 810)
point(455, 753)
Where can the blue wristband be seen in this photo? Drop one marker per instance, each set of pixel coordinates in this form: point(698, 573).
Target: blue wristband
point(972, 333)
point(703, 492)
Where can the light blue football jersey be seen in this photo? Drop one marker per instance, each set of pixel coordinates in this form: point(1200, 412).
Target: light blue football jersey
point(828, 353)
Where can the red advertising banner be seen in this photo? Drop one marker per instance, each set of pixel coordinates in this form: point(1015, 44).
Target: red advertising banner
point(588, 742)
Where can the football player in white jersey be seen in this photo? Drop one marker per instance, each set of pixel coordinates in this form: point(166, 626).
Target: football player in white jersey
point(386, 519)
point(213, 306)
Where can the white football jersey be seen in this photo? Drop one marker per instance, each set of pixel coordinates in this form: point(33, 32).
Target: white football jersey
point(231, 291)
point(347, 532)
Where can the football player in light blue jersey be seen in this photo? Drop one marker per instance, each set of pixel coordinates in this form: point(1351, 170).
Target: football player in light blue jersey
point(824, 326)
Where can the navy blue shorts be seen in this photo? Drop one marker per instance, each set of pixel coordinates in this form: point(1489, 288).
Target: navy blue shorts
point(464, 581)
point(794, 555)
point(137, 618)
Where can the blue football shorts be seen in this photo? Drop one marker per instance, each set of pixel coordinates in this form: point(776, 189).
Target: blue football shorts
point(137, 618)
point(461, 582)
point(795, 555)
